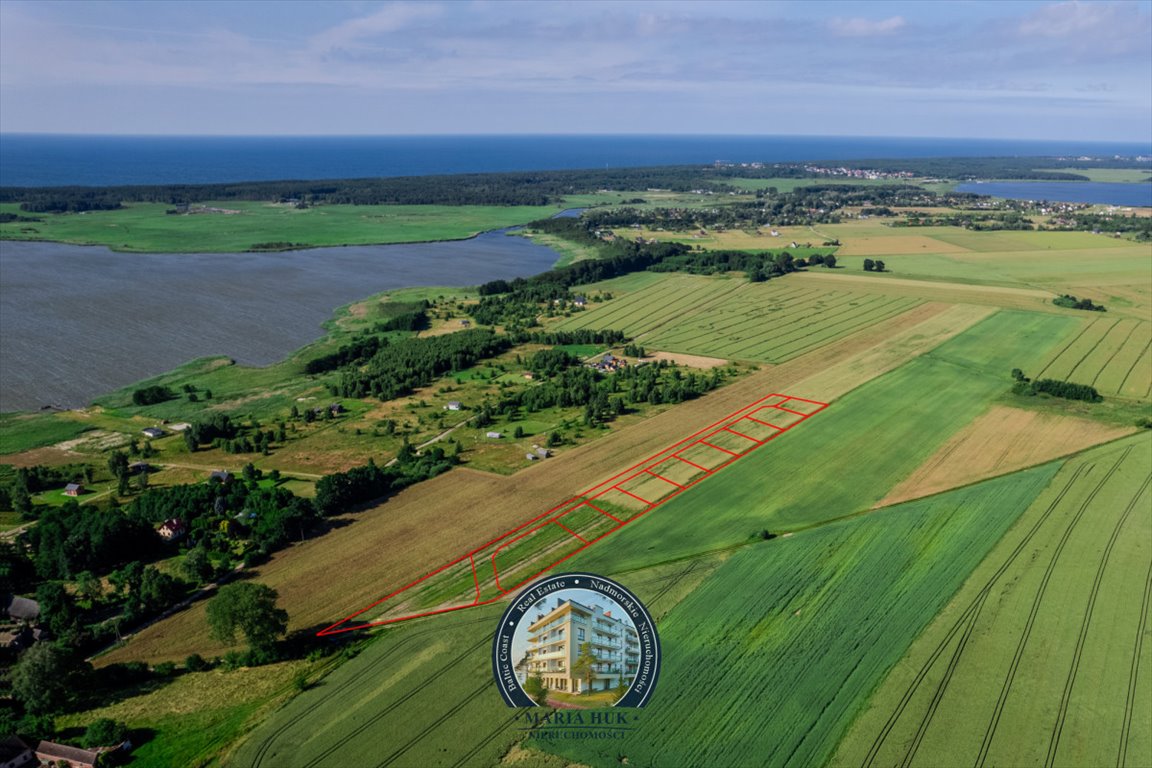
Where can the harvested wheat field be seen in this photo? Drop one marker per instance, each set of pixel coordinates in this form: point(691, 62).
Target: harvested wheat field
point(381, 549)
point(887, 245)
point(1001, 441)
point(689, 361)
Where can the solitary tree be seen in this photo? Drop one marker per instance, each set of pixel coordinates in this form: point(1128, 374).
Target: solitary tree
point(585, 665)
point(869, 265)
point(250, 608)
point(535, 688)
point(43, 678)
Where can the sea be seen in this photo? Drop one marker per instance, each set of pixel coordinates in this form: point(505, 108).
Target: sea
point(64, 160)
point(79, 321)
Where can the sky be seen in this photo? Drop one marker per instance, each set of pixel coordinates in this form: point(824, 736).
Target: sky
point(967, 68)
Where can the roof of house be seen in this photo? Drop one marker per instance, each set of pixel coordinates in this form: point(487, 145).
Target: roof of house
point(13, 747)
point(49, 750)
point(73, 487)
point(20, 607)
point(152, 431)
point(222, 474)
point(173, 524)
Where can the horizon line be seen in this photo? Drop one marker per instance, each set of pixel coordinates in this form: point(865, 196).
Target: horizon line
point(596, 134)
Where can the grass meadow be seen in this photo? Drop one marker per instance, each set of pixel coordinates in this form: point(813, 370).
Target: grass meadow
point(145, 227)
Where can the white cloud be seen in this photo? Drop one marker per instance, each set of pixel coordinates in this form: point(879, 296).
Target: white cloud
point(391, 18)
point(858, 27)
point(1071, 18)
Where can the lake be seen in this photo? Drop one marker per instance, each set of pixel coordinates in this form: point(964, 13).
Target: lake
point(81, 321)
point(1102, 193)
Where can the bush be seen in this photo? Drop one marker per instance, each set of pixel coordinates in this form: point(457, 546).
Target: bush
point(197, 663)
point(165, 669)
point(151, 395)
point(105, 733)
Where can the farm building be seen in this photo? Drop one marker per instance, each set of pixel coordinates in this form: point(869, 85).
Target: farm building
point(139, 467)
point(180, 427)
point(609, 363)
point(15, 753)
point(580, 301)
point(221, 474)
point(51, 753)
point(73, 489)
point(20, 608)
point(530, 456)
point(152, 432)
point(173, 529)
point(453, 405)
point(494, 435)
point(543, 453)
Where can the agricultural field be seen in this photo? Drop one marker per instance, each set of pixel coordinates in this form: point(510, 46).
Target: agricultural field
point(440, 521)
point(874, 436)
point(730, 318)
point(1115, 272)
point(1041, 658)
point(1003, 440)
point(1114, 355)
point(742, 642)
point(145, 227)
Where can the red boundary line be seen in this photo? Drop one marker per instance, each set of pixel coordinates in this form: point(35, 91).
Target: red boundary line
point(569, 531)
point(673, 482)
point(551, 515)
point(645, 502)
point(753, 418)
point(607, 514)
point(746, 437)
point(702, 469)
point(725, 450)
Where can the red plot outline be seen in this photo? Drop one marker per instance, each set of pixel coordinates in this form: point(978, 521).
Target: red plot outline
point(644, 468)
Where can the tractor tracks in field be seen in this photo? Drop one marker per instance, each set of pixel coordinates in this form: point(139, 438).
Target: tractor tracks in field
point(969, 615)
point(1009, 679)
point(1086, 622)
point(338, 690)
point(1134, 674)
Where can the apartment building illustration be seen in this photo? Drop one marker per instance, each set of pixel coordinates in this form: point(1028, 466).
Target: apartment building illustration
point(556, 637)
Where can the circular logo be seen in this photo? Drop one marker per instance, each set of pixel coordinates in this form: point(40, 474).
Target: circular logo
point(576, 640)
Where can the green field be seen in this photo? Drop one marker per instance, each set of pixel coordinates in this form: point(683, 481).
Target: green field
point(1115, 271)
point(871, 438)
point(421, 695)
point(1043, 657)
point(22, 432)
point(1110, 354)
point(146, 227)
point(731, 318)
point(744, 684)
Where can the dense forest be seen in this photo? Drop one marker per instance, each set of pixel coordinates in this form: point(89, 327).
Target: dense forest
point(520, 188)
point(402, 365)
point(529, 187)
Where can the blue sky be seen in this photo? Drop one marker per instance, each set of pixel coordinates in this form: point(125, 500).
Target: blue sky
point(1009, 69)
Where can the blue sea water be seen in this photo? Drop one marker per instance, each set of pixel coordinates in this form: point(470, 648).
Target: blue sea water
point(58, 160)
